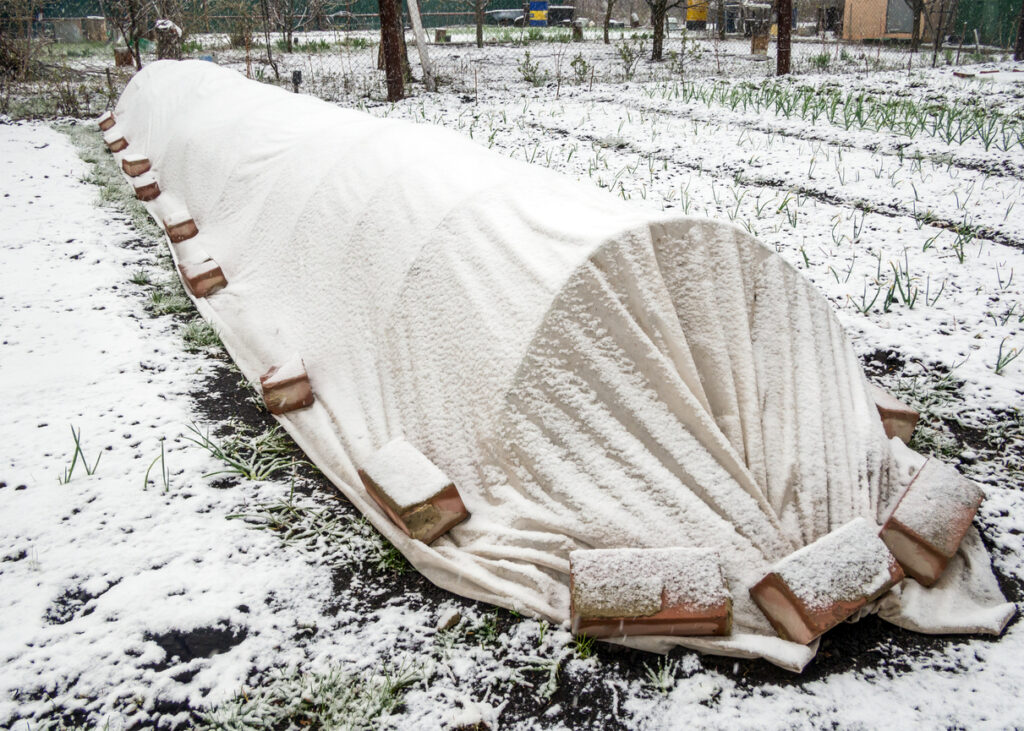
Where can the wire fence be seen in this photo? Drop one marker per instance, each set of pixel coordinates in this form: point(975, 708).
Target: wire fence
point(342, 57)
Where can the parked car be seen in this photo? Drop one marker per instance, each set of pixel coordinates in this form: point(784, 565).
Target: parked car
point(513, 16)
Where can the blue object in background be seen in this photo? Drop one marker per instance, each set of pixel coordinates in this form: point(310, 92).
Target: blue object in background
point(206, 57)
point(539, 12)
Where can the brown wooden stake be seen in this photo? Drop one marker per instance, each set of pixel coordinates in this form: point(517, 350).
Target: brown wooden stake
point(391, 42)
point(785, 26)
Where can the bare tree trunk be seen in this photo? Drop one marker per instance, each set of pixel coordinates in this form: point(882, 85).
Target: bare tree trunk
point(478, 12)
point(608, 19)
point(266, 37)
point(782, 46)
point(939, 30)
point(1018, 49)
point(658, 11)
point(916, 7)
point(391, 46)
point(720, 22)
point(133, 24)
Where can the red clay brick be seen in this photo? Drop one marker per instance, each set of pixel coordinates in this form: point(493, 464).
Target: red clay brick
point(286, 388)
point(930, 520)
point(648, 591)
point(180, 228)
point(203, 278)
point(898, 419)
point(135, 165)
point(814, 589)
point(414, 493)
point(146, 187)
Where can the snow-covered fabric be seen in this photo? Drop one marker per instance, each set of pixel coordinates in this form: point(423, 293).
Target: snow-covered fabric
point(588, 375)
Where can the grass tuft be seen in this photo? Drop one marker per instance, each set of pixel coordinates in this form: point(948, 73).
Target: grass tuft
point(200, 335)
point(69, 471)
point(255, 457)
point(334, 699)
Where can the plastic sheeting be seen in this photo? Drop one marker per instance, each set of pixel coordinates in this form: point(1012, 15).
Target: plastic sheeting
point(590, 375)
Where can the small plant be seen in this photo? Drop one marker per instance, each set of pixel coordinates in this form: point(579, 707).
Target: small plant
point(390, 559)
point(486, 630)
point(580, 68)
point(1002, 359)
point(69, 471)
point(334, 699)
point(661, 676)
point(821, 61)
point(163, 470)
point(356, 42)
point(630, 54)
point(584, 646)
point(531, 71)
point(200, 335)
point(141, 278)
point(254, 457)
point(162, 302)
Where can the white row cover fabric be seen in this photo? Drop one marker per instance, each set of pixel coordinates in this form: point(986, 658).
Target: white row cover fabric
point(589, 375)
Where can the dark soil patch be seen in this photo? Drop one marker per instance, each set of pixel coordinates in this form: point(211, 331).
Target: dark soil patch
point(183, 646)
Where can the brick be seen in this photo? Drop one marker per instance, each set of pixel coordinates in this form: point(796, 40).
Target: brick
point(648, 591)
point(180, 227)
point(286, 387)
point(815, 588)
point(930, 520)
point(146, 187)
point(414, 493)
point(106, 121)
point(898, 419)
point(135, 165)
point(203, 278)
point(114, 140)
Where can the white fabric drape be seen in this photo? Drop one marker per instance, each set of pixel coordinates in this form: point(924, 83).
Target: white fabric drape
point(588, 374)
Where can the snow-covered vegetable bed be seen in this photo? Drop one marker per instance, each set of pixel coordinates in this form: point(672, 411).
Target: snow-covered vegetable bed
point(988, 393)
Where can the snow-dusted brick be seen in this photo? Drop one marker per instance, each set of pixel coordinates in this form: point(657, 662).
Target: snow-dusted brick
point(146, 187)
point(413, 491)
point(180, 226)
point(814, 589)
point(135, 165)
point(106, 121)
point(203, 278)
point(616, 592)
point(930, 519)
point(286, 387)
point(114, 139)
point(898, 419)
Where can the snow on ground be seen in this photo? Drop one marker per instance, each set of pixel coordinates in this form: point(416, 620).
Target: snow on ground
point(128, 603)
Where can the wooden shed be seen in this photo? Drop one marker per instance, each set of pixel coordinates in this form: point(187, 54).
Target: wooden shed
point(877, 19)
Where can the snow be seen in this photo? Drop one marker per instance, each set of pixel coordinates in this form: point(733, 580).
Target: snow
point(980, 680)
point(146, 178)
point(96, 571)
point(406, 476)
point(849, 564)
point(206, 267)
point(292, 369)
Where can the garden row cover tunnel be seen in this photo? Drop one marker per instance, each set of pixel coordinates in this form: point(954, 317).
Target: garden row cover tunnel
point(589, 374)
